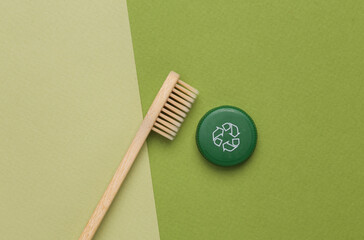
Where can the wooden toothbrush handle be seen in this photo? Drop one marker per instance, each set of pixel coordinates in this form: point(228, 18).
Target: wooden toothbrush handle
point(130, 156)
point(116, 182)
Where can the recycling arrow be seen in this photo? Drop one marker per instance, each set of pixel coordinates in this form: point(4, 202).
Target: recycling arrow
point(227, 128)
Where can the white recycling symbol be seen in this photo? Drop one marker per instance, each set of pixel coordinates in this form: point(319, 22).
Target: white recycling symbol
point(226, 128)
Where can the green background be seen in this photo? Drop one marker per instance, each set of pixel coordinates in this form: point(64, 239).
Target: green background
point(297, 68)
point(69, 108)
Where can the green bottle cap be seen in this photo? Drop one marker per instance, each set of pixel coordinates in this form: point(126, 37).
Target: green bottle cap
point(226, 136)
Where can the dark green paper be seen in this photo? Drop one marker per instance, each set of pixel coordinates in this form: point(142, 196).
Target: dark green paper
point(297, 67)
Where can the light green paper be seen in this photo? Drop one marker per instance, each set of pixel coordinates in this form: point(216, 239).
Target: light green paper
point(297, 68)
point(69, 107)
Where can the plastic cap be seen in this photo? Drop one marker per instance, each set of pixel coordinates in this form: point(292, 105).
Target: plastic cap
point(226, 136)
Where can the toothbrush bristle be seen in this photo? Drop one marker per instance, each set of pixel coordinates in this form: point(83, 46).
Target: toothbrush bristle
point(174, 111)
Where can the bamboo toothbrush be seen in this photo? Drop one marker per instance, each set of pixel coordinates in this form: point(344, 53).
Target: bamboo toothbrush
point(164, 116)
